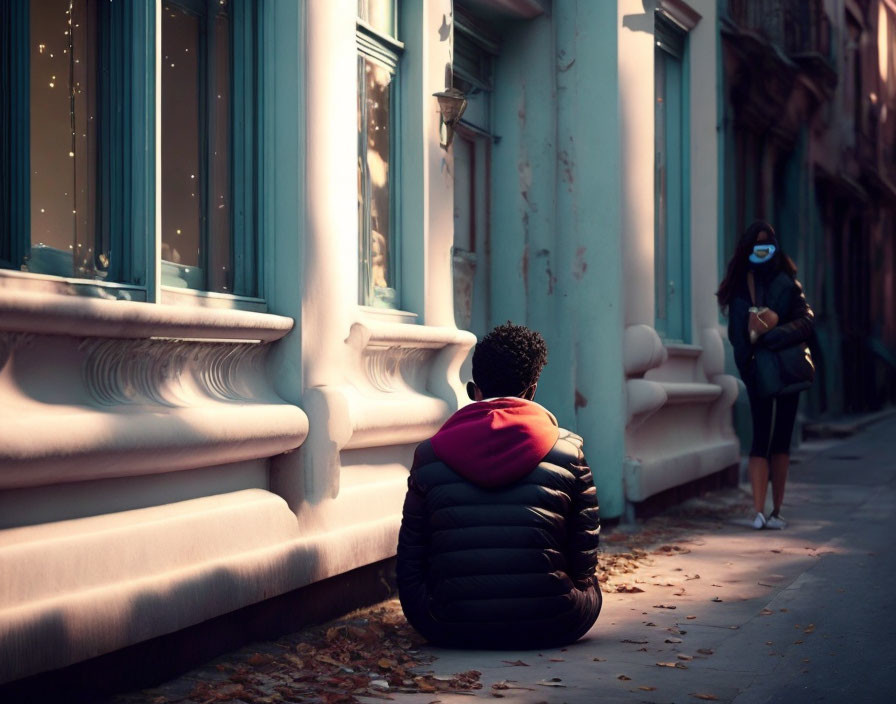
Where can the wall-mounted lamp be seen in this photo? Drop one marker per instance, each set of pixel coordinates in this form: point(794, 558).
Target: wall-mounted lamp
point(452, 103)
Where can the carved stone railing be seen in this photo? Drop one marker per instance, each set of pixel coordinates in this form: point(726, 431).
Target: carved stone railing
point(400, 385)
point(98, 389)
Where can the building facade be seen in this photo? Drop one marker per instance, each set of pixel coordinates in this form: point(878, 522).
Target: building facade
point(242, 271)
point(809, 133)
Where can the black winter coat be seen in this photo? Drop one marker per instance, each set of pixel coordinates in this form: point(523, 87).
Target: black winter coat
point(796, 321)
point(509, 567)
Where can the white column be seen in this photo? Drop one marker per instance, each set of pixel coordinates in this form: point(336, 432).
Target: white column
point(330, 257)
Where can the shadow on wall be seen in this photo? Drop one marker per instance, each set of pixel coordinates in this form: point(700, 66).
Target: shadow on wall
point(640, 23)
point(161, 658)
point(55, 638)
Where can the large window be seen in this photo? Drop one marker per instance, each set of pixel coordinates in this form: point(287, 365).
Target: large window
point(378, 57)
point(74, 121)
point(78, 142)
point(671, 254)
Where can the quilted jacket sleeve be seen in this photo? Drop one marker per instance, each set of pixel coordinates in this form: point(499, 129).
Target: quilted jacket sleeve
point(413, 551)
point(584, 529)
point(799, 326)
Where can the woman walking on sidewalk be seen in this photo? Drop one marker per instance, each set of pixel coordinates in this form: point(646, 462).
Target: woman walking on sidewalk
point(769, 326)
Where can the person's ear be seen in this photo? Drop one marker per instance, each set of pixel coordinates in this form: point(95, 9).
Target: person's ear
point(471, 390)
point(529, 394)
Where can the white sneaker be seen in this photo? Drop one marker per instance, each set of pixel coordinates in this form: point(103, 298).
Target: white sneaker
point(759, 522)
point(775, 522)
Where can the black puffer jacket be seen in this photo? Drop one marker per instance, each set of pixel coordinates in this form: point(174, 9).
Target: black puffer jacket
point(509, 565)
point(796, 321)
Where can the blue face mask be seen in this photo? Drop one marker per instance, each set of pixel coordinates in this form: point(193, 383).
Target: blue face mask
point(762, 253)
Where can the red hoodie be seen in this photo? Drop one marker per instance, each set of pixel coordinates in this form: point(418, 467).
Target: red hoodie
point(493, 443)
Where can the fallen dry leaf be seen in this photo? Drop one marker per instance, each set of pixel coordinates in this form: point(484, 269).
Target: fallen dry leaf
point(553, 682)
point(707, 697)
point(673, 640)
point(623, 677)
point(715, 598)
point(556, 660)
point(664, 606)
point(515, 663)
point(678, 665)
point(682, 656)
point(647, 688)
point(598, 659)
point(636, 642)
point(810, 628)
point(705, 651)
point(766, 612)
point(690, 618)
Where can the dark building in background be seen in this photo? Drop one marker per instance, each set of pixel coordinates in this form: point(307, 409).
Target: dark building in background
point(809, 116)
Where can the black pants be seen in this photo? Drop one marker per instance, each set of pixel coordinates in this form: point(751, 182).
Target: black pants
point(773, 420)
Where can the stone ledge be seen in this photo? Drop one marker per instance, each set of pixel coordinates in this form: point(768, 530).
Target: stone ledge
point(50, 313)
point(49, 445)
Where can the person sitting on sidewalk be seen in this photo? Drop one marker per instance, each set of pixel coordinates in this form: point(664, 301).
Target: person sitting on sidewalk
point(500, 530)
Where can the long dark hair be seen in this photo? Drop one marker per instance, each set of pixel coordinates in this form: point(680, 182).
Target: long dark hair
point(739, 263)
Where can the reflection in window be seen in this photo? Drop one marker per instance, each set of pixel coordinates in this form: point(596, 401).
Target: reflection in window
point(379, 14)
point(196, 134)
point(63, 125)
point(375, 187)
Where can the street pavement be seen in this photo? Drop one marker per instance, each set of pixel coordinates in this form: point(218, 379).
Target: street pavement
point(700, 607)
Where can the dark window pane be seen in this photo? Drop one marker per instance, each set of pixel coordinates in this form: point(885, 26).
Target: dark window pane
point(182, 178)
point(196, 143)
point(220, 273)
point(63, 139)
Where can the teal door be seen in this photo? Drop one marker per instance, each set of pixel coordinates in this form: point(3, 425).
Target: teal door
point(671, 254)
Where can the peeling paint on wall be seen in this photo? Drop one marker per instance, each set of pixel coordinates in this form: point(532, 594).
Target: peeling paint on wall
point(580, 266)
point(524, 264)
point(581, 401)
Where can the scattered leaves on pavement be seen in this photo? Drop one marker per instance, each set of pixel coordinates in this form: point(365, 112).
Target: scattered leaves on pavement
point(369, 653)
point(553, 682)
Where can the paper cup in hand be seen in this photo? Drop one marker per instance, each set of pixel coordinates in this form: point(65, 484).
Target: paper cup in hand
point(761, 321)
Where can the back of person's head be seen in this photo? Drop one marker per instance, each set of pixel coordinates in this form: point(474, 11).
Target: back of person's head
point(508, 360)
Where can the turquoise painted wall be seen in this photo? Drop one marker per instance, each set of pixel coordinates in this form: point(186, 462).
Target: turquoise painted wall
point(556, 260)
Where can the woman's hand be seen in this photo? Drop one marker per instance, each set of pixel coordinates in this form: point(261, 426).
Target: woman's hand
point(761, 321)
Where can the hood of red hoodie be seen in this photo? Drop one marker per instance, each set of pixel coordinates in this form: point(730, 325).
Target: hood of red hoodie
point(495, 442)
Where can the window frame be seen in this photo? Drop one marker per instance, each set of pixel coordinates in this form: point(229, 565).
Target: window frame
point(385, 51)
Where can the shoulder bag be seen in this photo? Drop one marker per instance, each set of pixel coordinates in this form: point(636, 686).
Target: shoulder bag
point(788, 370)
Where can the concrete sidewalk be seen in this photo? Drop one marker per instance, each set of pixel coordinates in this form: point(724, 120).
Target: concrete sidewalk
point(698, 606)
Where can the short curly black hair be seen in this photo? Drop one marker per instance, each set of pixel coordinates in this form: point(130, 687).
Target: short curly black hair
point(508, 360)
